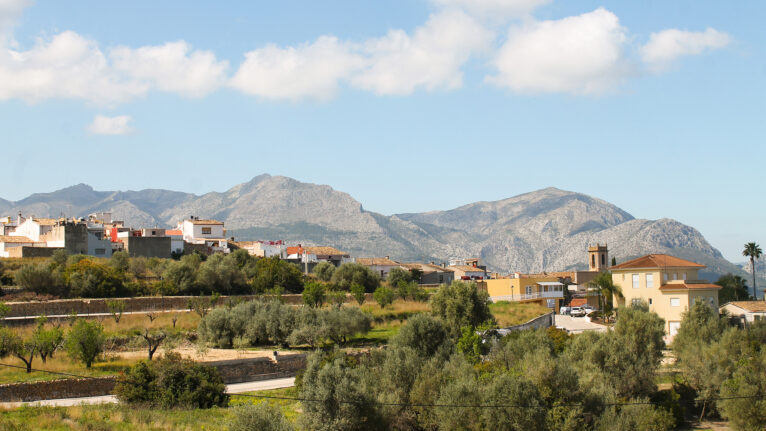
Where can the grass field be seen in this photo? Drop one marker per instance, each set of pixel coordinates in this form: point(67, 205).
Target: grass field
point(515, 313)
point(118, 417)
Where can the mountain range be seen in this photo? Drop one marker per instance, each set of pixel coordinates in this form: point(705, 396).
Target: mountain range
point(544, 230)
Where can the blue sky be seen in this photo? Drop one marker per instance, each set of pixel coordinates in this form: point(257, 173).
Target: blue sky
point(408, 106)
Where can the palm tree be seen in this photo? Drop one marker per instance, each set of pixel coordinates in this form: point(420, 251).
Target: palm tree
point(606, 288)
point(753, 251)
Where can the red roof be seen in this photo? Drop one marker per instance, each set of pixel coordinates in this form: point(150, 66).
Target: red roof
point(685, 286)
point(658, 261)
point(578, 302)
point(173, 232)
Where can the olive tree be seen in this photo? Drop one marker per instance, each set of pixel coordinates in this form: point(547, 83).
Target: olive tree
point(461, 304)
point(85, 341)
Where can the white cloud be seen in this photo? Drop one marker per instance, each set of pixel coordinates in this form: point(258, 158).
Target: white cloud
point(432, 58)
point(666, 46)
point(172, 67)
point(10, 11)
point(496, 9)
point(68, 66)
point(580, 55)
point(118, 125)
point(306, 71)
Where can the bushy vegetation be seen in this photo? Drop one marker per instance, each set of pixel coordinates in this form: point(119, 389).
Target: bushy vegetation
point(194, 274)
point(258, 323)
point(719, 361)
point(555, 382)
point(350, 274)
point(172, 382)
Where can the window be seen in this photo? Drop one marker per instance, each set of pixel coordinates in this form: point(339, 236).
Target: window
point(675, 276)
point(100, 251)
point(649, 281)
point(635, 281)
point(593, 261)
point(665, 276)
point(711, 300)
point(650, 301)
point(756, 317)
point(207, 230)
point(635, 302)
point(529, 290)
point(603, 259)
point(683, 276)
point(675, 302)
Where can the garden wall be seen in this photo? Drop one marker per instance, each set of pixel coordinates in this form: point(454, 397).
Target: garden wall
point(232, 371)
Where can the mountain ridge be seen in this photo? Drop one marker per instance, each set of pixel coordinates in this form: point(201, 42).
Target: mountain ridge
point(542, 230)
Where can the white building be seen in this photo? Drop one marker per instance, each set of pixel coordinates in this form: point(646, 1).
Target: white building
point(381, 265)
point(7, 243)
point(263, 248)
point(208, 232)
point(751, 311)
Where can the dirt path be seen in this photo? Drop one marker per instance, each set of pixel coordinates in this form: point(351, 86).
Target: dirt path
point(210, 355)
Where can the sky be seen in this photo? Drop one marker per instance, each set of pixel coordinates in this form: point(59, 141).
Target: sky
point(407, 105)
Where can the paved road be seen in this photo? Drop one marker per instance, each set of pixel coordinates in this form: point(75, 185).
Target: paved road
point(234, 388)
point(576, 325)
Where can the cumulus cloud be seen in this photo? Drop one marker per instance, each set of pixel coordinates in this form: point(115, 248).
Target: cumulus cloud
point(579, 55)
point(431, 58)
point(666, 46)
point(172, 67)
point(119, 125)
point(66, 66)
point(311, 70)
point(69, 66)
point(496, 9)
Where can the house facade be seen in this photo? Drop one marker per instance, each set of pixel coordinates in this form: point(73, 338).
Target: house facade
point(381, 265)
point(749, 311)
point(668, 284)
point(431, 273)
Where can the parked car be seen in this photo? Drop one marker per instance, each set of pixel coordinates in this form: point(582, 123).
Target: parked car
point(589, 308)
point(577, 312)
point(564, 310)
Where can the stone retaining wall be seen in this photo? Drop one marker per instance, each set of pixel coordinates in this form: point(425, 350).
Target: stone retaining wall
point(143, 303)
point(540, 322)
point(232, 371)
point(53, 389)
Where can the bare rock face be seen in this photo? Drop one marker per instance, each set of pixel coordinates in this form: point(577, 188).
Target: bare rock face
point(545, 230)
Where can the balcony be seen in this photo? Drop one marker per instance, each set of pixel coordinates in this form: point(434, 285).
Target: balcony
point(528, 296)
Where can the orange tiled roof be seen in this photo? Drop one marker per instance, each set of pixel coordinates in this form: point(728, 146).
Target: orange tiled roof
point(319, 251)
point(466, 268)
point(578, 302)
point(376, 261)
point(15, 239)
point(173, 232)
point(561, 274)
point(45, 221)
point(751, 306)
point(658, 261)
point(689, 286)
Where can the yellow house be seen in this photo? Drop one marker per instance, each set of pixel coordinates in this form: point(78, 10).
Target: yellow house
point(545, 289)
point(670, 285)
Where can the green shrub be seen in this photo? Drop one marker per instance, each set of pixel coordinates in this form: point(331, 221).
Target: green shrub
point(384, 296)
point(261, 417)
point(172, 382)
point(85, 341)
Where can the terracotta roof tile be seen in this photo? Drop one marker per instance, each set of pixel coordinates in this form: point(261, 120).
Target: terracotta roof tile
point(751, 306)
point(376, 261)
point(689, 286)
point(657, 261)
point(319, 251)
point(466, 268)
point(15, 239)
point(46, 221)
point(578, 302)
